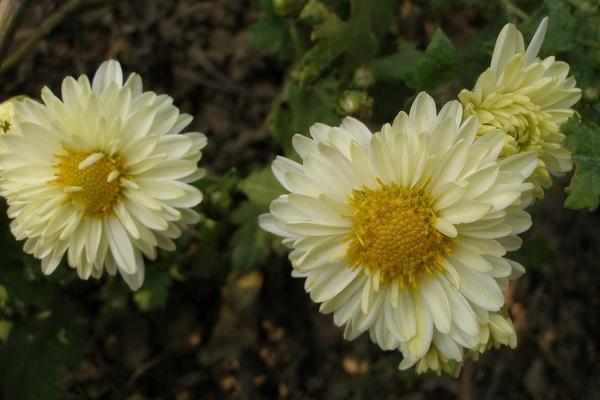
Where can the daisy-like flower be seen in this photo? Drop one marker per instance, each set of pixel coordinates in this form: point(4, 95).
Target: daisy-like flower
point(403, 233)
point(528, 98)
point(101, 175)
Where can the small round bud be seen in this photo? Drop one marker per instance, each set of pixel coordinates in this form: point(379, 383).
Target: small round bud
point(356, 104)
point(363, 78)
point(591, 94)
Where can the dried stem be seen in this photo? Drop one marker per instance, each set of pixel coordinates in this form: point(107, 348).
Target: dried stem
point(465, 388)
point(10, 11)
point(44, 30)
point(511, 8)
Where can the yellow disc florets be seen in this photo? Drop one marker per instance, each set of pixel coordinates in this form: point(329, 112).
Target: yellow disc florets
point(90, 179)
point(393, 235)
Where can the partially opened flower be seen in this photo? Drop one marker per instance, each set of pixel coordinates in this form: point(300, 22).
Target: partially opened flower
point(403, 233)
point(101, 175)
point(527, 98)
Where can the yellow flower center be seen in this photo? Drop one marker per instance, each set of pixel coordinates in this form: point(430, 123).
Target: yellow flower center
point(90, 179)
point(393, 235)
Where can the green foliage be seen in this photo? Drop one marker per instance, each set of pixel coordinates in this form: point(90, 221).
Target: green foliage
point(155, 292)
point(261, 187)
point(271, 35)
point(437, 66)
point(299, 109)
point(325, 43)
point(3, 296)
point(399, 66)
point(357, 38)
point(5, 328)
point(562, 29)
point(250, 245)
point(24, 284)
point(37, 354)
point(583, 138)
point(428, 70)
point(536, 254)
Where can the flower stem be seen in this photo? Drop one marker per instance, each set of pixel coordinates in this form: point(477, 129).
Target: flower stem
point(511, 8)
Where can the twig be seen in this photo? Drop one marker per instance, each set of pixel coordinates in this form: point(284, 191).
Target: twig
point(513, 9)
point(204, 61)
point(145, 367)
point(44, 30)
point(465, 387)
point(10, 10)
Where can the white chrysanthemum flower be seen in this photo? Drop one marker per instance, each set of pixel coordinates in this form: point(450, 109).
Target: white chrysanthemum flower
point(527, 98)
point(403, 233)
point(102, 175)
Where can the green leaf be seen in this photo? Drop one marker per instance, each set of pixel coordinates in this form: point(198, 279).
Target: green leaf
point(562, 28)
point(36, 355)
point(261, 187)
point(26, 284)
point(356, 39)
point(536, 253)
point(437, 66)
point(5, 328)
point(302, 108)
point(398, 66)
point(3, 296)
point(250, 244)
point(155, 292)
point(428, 70)
point(583, 138)
point(272, 36)
point(330, 34)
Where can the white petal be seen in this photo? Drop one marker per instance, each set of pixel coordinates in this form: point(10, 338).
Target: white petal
point(536, 42)
point(509, 43)
point(434, 296)
point(120, 246)
point(108, 72)
point(135, 280)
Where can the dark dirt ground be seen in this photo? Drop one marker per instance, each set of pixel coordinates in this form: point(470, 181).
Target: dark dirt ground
point(259, 336)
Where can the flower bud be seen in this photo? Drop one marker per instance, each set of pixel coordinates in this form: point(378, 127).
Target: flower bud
point(356, 104)
point(363, 78)
point(288, 8)
point(591, 94)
